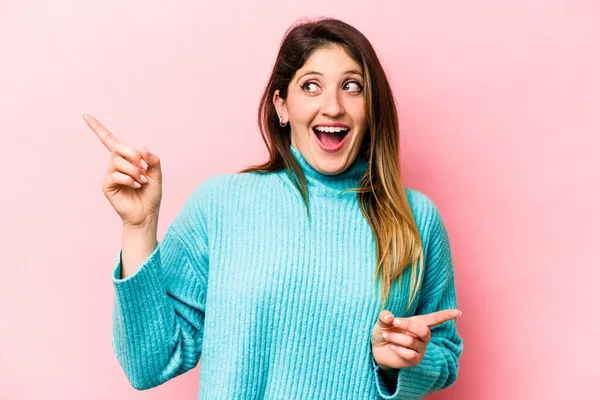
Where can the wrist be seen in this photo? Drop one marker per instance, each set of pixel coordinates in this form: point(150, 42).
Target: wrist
point(138, 243)
point(142, 236)
point(149, 224)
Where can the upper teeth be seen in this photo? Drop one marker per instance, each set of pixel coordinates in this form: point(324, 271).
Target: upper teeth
point(330, 129)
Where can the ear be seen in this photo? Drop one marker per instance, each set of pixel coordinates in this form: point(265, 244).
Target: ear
point(280, 106)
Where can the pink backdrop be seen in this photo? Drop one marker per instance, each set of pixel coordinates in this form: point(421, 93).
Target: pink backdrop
point(499, 115)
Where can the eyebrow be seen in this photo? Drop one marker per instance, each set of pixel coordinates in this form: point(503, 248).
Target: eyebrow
point(347, 72)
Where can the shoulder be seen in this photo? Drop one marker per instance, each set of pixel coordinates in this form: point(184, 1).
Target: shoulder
point(223, 185)
point(199, 202)
point(211, 187)
point(421, 205)
point(426, 214)
point(222, 191)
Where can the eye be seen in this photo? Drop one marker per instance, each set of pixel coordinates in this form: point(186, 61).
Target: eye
point(358, 86)
point(304, 86)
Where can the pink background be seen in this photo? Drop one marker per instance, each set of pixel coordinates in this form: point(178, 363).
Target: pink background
point(499, 115)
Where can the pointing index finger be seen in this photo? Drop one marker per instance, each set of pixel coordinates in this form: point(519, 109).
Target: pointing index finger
point(439, 317)
point(103, 134)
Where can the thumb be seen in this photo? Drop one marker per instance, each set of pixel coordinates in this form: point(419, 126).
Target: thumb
point(151, 159)
point(154, 170)
point(385, 320)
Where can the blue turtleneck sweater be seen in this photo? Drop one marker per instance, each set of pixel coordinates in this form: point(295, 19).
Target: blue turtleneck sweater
point(279, 307)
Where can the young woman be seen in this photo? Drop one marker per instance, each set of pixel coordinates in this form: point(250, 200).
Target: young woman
point(314, 275)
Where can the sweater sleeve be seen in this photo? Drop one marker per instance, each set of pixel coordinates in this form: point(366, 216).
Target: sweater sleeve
point(158, 312)
point(439, 367)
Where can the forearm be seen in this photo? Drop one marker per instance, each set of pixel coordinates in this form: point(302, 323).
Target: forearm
point(138, 243)
point(156, 338)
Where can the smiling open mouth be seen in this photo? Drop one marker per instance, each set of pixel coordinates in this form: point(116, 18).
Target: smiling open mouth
point(331, 139)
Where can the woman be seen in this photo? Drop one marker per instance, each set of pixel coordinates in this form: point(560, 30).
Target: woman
point(287, 277)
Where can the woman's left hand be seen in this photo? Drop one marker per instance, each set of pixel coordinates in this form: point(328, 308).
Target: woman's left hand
point(401, 342)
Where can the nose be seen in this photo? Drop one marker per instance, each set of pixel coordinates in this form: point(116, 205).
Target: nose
point(332, 105)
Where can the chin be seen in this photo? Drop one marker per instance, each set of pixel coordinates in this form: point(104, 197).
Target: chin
point(330, 165)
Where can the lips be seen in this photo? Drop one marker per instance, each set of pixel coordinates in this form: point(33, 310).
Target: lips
point(340, 135)
point(331, 141)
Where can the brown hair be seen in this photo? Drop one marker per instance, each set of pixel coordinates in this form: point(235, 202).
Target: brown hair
point(381, 194)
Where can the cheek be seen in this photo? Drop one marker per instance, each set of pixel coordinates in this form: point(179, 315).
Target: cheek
point(359, 116)
point(357, 107)
point(305, 112)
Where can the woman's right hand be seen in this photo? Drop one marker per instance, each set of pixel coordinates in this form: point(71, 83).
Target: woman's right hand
point(136, 200)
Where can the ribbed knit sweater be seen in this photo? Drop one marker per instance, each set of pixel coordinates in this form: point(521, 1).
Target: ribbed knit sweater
point(279, 306)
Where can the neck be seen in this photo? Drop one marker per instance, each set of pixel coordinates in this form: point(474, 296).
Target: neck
point(330, 184)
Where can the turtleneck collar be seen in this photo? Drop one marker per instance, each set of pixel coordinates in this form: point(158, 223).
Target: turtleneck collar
point(321, 183)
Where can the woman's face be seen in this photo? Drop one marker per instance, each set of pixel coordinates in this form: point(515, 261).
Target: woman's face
point(326, 91)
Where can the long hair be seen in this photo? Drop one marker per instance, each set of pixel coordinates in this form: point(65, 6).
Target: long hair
point(381, 194)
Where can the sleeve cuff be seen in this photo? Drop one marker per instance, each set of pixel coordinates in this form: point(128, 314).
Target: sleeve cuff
point(412, 383)
point(142, 289)
point(149, 263)
point(385, 392)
